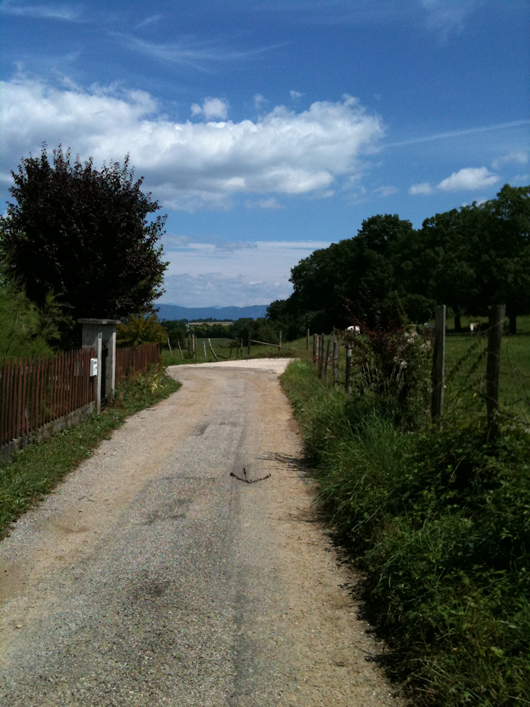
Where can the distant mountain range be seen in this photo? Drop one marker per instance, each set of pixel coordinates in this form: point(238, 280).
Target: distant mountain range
point(170, 312)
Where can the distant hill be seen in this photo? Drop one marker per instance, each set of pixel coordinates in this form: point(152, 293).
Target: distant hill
point(171, 312)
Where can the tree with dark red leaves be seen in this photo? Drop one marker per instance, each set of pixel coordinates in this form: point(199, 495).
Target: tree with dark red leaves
point(86, 235)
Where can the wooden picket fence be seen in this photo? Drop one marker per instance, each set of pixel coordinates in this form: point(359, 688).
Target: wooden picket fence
point(135, 359)
point(37, 390)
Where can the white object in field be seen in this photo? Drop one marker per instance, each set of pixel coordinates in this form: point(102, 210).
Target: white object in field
point(354, 329)
point(474, 327)
point(93, 367)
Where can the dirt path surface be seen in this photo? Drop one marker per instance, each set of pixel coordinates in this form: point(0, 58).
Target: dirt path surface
point(153, 577)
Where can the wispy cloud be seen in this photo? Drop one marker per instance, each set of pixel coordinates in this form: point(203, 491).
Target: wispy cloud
point(458, 133)
point(386, 191)
point(447, 16)
point(444, 17)
point(65, 13)
point(518, 157)
point(201, 56)
point(149, 21)
point(271, 204)
point(295, 95)
point(259, 101)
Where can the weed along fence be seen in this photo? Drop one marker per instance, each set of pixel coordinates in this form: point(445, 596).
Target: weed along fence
point(340, 347)
point(133, 360)
point(40, 395)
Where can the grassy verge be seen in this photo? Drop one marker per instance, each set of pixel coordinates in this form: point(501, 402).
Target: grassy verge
point(34, 471)
point(440, 523)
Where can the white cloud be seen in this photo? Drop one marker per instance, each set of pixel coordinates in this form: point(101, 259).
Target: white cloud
point(255, 273)
point(423, 188)
point(469, 179)
point(386, 191)
point(192, 165)
point(295, 95)
point(272, 204)
point(519, 157)
point(211, 108)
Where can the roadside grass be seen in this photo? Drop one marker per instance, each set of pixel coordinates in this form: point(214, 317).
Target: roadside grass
point(439, 522)
point(36, 470)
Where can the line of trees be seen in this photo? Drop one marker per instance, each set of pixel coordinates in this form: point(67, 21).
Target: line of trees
point(467, 258)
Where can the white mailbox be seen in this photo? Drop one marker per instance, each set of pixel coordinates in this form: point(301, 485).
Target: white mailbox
point(93, 366)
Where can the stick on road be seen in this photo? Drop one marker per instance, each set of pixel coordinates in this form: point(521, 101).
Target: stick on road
point(153, 576)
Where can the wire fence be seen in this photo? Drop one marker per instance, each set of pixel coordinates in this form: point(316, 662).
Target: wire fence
point(485, 367)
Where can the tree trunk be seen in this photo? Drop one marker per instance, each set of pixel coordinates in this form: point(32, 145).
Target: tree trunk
point(513, 324)
point(458, 323)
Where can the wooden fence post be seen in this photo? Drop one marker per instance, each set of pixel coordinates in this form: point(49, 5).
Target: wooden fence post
point(307, 340)
point(249, 341)
point(336, 360)
point(348, 368)
point(438, 364)
point(169, 345)
point(496, 325)
point(205, 354)
point(280, 342)
point(181, 355)
point(327, 360)
point(315, 348)
point(320, 354)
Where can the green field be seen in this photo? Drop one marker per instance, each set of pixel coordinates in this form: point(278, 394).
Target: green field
point(466, 365)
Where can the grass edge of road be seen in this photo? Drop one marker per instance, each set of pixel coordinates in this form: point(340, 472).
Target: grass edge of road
point(437, 519)
point(36, 470)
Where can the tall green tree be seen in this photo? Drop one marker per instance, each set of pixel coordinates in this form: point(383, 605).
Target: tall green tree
point(358, 277)
point(480, 255)
point(87, 235)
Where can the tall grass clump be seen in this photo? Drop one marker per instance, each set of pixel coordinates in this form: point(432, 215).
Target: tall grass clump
point(439, 521)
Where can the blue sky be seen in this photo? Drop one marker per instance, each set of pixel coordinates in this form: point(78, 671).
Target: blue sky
point(269, 128)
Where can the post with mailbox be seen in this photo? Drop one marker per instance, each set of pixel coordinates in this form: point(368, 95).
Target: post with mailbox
point(100, 334)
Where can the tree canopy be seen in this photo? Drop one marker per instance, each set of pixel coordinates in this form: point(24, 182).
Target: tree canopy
point(467, 258)
point(85, 234)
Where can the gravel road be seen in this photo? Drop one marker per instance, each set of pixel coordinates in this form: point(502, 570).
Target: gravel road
point(154, 577)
